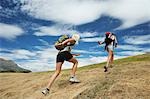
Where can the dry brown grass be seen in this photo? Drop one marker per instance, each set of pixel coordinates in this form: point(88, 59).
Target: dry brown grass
point(129, 79)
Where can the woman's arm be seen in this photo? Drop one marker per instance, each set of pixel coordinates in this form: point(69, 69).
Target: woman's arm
point(116, 42)
point(67, 41)
point(100, 43)
point(76, 54)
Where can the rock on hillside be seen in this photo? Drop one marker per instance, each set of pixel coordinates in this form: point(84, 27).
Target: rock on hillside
point(10, 66)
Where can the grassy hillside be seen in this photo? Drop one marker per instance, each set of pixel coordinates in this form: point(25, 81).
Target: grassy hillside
point(128, 79)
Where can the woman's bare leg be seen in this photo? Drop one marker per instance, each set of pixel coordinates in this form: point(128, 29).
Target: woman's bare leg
point(75, 64)
point(54, 76)
point(112, 58)
point(109, 57)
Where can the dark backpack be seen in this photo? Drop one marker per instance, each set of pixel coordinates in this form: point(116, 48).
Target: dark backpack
point(108, 41)
point(58, 46)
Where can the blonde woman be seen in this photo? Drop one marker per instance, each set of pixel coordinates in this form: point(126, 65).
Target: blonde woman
point(65, 55)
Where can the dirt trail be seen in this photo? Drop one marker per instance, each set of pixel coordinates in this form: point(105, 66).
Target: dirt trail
point(129, 79)
point(29, 86)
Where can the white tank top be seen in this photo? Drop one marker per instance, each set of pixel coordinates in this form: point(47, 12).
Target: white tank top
point(67, 48)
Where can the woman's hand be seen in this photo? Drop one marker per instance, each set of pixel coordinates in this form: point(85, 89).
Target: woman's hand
point(116, 44)
point(76, 54)
point(99, 42)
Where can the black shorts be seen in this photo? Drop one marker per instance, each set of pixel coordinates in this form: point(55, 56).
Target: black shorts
point(63, 56)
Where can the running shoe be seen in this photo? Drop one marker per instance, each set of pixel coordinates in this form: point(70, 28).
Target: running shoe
point(74, 79)
point(45, 91)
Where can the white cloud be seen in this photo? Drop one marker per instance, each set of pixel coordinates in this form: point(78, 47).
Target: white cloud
point(77, 12)
point(131, 12)
point(95, 60)
point(45, 59)
point(17, 54)
point(65, 11)
point(98, 59)
point(0, 7)
point(34, 60)
point(94, 39)
point(10, 31)
point(44, 42)
point(23, 52)
point(37, 65)
point(147, 50)
point(51, 31)
point(86, 52)
point(48, 53)
point(58, 30)
point(129, 47)
point(88, 34)
point(144, 39)
point(55, 30)
point(129, 53)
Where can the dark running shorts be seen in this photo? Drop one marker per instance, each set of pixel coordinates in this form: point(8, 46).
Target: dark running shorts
point(63, 56)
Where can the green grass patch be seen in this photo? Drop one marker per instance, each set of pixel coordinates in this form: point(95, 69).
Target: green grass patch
point(144, 57)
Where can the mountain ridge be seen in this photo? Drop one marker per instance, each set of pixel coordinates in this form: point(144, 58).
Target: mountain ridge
point(11, 66)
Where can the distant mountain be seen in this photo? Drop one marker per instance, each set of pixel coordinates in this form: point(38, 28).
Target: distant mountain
point(10, 66)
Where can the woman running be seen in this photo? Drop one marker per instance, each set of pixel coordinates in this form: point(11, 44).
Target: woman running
point(65, 55)
point(111, 43)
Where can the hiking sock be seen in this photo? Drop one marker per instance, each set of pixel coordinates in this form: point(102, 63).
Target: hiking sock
point(47, 89)
point(105, 69)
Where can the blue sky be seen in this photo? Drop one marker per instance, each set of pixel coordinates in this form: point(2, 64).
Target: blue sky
point(29, 28)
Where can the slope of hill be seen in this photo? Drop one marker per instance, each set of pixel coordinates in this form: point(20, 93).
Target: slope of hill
point(10, 66)
point(128, 79)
